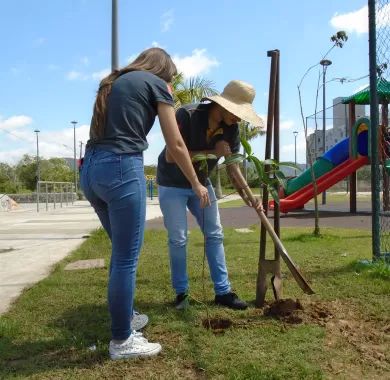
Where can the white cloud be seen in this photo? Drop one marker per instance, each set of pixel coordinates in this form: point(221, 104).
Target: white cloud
point(195, 64)
point(13, 156)
point(362, 87)
point(99, 75)
point(283, 124)
point(76, 75)
point(287, 124)
point(353, 22)
point(15, 122)
point(167, 19)
point(382, 16)
point(51, 143)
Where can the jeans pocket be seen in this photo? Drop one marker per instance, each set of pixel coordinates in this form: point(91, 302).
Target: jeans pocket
point(106, 170)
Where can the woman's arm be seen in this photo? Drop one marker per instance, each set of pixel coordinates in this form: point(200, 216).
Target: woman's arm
point(179, 151)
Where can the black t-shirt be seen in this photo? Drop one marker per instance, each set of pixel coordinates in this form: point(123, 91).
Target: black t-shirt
point(193, 121)
point(131, 111)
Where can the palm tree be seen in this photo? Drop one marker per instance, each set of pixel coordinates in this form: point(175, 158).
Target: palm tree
point(192, 90)
point(249, 132)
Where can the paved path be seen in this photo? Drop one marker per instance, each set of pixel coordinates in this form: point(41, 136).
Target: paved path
point(31, 243)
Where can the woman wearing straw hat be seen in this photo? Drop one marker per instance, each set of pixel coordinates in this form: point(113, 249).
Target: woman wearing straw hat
point(206, 128)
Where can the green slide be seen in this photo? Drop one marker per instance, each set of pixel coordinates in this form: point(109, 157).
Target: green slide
point(321, 166)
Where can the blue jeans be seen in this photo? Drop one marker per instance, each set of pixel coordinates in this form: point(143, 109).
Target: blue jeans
point(173, 203)
point(115, 186)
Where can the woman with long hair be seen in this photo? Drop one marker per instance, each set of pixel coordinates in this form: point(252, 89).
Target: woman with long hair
point(112, 177)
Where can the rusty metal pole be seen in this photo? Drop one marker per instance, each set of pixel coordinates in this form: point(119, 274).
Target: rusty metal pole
point(263, 267)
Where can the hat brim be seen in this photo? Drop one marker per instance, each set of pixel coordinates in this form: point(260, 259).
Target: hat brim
point(244, 111)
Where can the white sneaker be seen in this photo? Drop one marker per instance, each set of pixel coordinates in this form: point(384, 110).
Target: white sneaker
point(135, 346)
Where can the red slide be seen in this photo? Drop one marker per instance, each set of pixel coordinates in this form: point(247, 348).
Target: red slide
point(302, 196)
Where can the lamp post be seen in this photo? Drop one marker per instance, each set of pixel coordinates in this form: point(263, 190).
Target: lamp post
point(324, 63)
point(38, 169)
point(295, 133)
point(114, 36)
point(81, 150)
point(74, 155)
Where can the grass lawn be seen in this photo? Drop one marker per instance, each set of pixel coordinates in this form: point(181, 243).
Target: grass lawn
point(59, 329)
point(330, 197)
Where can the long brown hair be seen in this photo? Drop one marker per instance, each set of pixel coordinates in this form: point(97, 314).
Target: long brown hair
point(154, 60)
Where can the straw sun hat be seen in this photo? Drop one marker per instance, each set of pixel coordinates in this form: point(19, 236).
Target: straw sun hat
point(237, 98)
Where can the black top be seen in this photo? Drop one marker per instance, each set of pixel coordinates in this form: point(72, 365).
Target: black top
point(131, 111)
point(193, 121)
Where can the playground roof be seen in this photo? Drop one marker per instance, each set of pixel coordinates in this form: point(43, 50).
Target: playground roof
point(363, 96)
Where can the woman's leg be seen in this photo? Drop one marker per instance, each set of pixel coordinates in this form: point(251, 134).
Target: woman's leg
point(173, 204)
point(121, 184)
point(210, 224)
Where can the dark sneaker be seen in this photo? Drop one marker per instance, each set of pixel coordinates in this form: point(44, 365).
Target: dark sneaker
point(181, 301)
point(231, 300)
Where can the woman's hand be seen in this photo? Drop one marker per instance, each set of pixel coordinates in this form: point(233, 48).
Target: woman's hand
point(202, 193)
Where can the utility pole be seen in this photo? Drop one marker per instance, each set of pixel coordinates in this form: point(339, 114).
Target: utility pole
point(38, 169)
point(74, 156)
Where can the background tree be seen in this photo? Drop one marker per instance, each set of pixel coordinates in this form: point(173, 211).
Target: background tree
point(26, 171)
point(8, 182)
point(338, 40)
point(191, 90)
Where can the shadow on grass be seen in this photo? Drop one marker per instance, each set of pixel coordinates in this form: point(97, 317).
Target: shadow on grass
point(84, 333)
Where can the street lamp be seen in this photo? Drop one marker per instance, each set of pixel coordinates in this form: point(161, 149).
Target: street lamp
point(74, 155)
point(114, 36)
point(38, 169)
point(295, 133)
point(324, 63)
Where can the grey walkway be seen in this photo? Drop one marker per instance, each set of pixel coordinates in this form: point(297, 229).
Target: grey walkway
point(31, 243)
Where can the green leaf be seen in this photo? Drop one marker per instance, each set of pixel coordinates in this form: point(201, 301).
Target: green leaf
point(274, 193)
point(247, 146)
point(281, 178)
point(199, 157)
point(234, 159)
point(211, 157)
point(270, 161)
point(259, 168)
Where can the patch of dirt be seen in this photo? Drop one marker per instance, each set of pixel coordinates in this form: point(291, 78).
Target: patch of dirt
point(218, 325)
point(367, 337)
point(285, 310)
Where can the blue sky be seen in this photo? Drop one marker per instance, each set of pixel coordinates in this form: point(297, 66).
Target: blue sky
point(54, 52)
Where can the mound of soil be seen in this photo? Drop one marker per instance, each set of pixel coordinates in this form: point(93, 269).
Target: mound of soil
point(293, 312)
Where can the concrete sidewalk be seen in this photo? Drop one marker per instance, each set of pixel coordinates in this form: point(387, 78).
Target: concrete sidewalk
point(31, 243)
